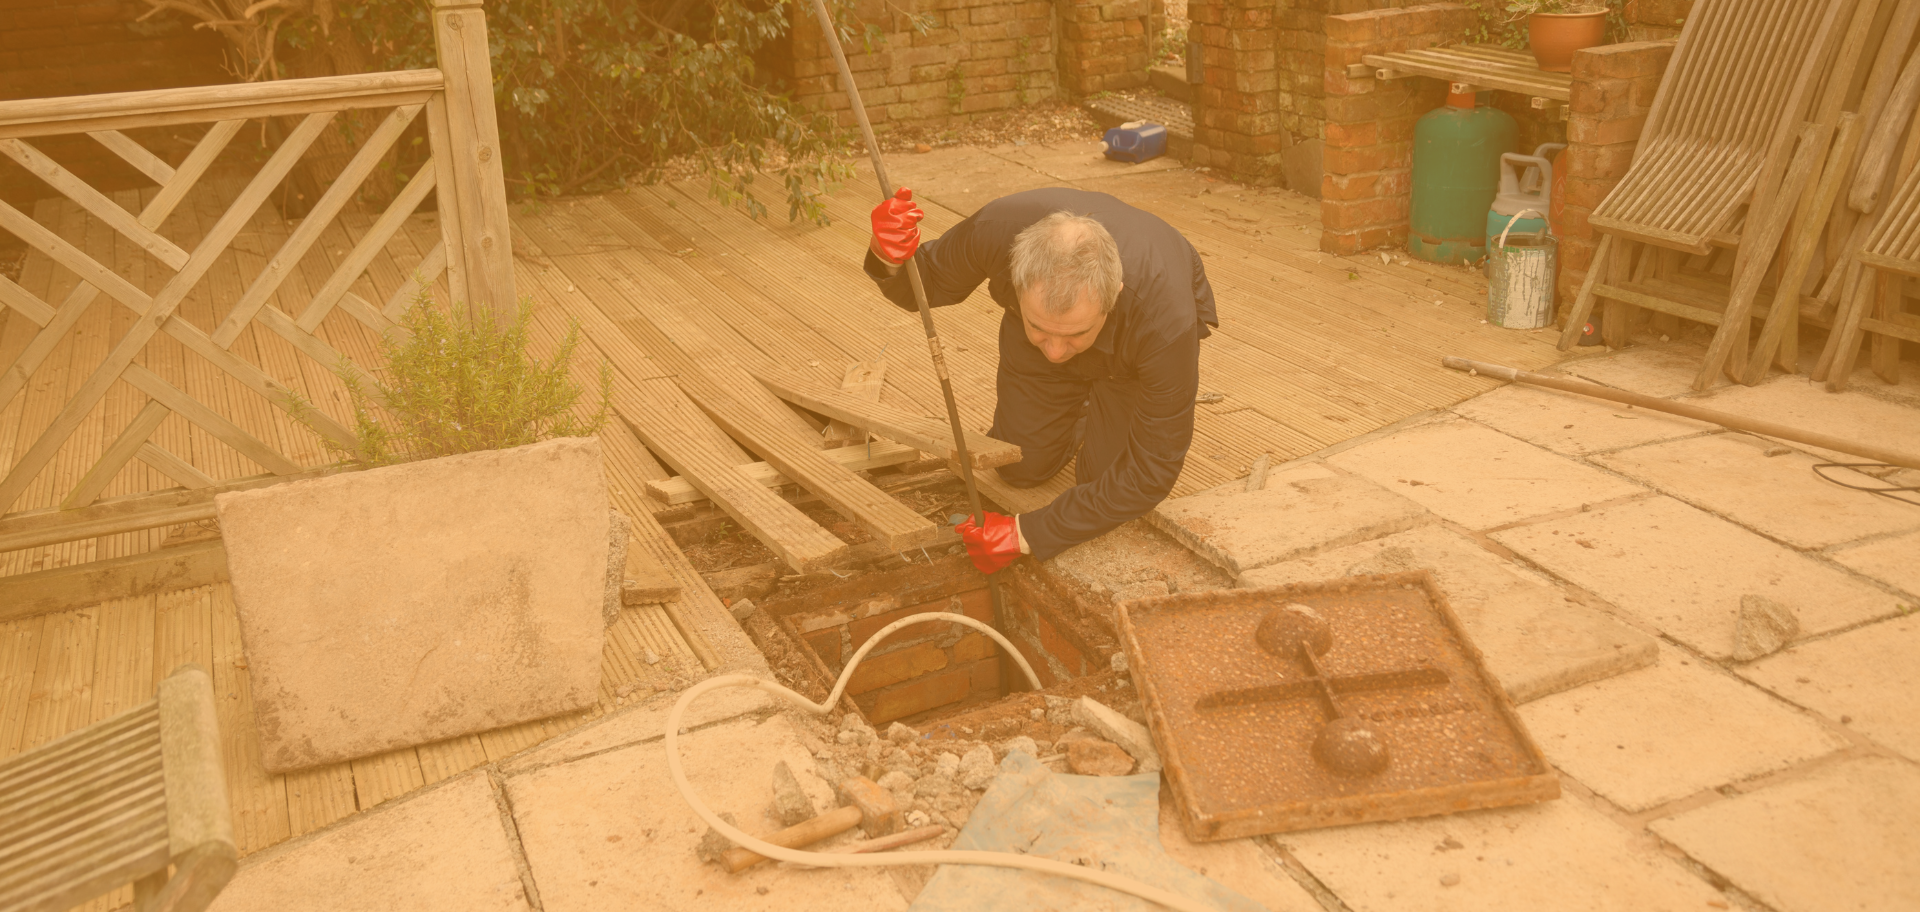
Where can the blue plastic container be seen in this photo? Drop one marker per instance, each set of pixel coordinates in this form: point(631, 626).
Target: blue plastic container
point(1135, 142)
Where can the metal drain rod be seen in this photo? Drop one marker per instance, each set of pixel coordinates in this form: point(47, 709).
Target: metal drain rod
point(934, 346)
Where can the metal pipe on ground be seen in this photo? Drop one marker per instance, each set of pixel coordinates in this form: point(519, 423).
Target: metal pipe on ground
point(934, 346)
point(1726, 420)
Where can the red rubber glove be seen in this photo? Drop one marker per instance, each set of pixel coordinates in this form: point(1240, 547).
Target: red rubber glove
point(896, 231)
point(994, 547)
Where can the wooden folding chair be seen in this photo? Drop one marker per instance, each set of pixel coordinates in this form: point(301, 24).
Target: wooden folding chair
point(1723, 161)
point(1876, 305)
point(118, 802)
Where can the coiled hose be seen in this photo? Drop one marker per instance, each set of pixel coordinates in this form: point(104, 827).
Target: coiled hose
point(947, 856)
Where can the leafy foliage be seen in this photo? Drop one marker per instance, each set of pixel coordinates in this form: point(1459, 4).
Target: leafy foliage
point(592, 92)
point(458, 385)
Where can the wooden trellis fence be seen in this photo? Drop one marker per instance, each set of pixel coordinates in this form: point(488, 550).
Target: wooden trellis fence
point(473, 254)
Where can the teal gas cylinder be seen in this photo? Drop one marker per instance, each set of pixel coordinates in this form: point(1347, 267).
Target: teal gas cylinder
point(1456, 174)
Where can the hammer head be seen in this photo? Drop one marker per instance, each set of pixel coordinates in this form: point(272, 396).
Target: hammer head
point(879, 813)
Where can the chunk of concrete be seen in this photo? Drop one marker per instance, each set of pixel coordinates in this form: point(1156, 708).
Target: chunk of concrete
point(1779, 496)
point(977, 768)
point(418, 602)
point(610, 831)
point(790, 801)
point(1535, 639)
point(1562, 855)
point(1094, 757)
point(445, 848)
point(1682, 571)
point(1304, 509)
point(1676, 729)
point(1478, 477)
point(1842, 837)
point(1131, 736)
point(1866, 679)
point(1763, 628)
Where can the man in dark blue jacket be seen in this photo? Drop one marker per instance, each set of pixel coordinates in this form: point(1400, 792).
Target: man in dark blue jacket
point(1105, 306)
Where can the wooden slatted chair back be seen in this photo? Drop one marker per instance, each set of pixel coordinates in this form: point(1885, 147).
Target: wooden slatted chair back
point(187, 369)
point(1726, 110)
point(119, 802)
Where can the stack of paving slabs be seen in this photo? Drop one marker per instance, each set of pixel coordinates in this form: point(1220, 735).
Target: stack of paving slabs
point(1767, 112)
point(1324, 704)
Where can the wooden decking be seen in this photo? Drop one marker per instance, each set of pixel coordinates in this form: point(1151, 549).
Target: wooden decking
point(1313, 349)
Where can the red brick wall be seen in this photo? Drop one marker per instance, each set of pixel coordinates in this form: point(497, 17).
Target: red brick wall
point(1103, 45)
point(1365, 191)
point(979, 56)
point(1613, 87)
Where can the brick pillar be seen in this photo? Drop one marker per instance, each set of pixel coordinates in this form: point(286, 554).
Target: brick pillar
point(1103, 45)
point(1236, 122)
point(1613, 87)
point(1365, 193)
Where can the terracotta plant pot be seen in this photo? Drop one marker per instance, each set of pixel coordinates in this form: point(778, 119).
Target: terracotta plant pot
point(1553, 37)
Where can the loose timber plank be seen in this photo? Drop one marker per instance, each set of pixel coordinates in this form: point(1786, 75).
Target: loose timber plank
point(672, 427)
point(857, 457)
point(84, 584)
point(929, 435)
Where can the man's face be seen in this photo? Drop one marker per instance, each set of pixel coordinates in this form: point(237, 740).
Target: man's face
point(1061, 336)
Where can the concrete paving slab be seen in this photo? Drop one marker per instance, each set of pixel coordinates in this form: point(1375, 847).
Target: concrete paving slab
point(610, 831)
point(1535, 640)
point(1780, 496)
point(1798, 402)
point(1663, 372)
point(447, 597)
point(1867, 677)
point(1841, 838)
point(1078, 161)
point(1660, 734)
point(1479, 477)
point(443, 849)
point(1889, 560)
point(1301, 510)
point(641, 723)
point(1573, 425)
point(1561, 855)
point(1241, 864)
point(1682, 571)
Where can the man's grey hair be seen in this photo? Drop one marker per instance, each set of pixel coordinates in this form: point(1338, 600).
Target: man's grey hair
point(1067, 254)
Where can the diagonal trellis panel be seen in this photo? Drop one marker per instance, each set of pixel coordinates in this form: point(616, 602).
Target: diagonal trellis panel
point(160, 312)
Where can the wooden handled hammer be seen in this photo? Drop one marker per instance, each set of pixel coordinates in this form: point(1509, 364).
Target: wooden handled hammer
point(868, 806)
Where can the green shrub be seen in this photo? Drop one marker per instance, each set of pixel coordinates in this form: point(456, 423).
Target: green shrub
point(454, 384)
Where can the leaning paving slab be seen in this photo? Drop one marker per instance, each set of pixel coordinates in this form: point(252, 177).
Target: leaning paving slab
point(1535, 640)
point(1561, 855)
point(446, 848)
point(1479, 477)
point(417, 602)
point(1869, 678)
point(1682, 571)
point(1659, 734)
point(1571, 424)
point(1301, 510)
point(1841, 838)
point(610, 831)
point(1778, 495)
point(1889, 560)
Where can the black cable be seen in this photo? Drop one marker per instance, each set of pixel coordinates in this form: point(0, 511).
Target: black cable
point(1891, 492)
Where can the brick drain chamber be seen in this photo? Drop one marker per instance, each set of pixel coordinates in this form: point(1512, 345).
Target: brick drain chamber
point(942, 678)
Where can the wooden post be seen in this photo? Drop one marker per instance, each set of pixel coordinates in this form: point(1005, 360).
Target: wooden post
point(484, 256)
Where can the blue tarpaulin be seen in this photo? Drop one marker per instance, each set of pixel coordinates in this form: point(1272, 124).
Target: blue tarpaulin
point(1107, 822)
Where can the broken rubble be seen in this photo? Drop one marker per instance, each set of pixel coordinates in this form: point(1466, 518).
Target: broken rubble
point(1763, 628)
point(977, 768)
point(790, 801)
point(1129, 735)
point(1094, 757)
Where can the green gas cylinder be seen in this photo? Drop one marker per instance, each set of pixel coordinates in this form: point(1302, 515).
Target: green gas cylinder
point(1456, 174)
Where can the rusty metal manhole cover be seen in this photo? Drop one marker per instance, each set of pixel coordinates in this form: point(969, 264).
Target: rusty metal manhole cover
point(1322, 704)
